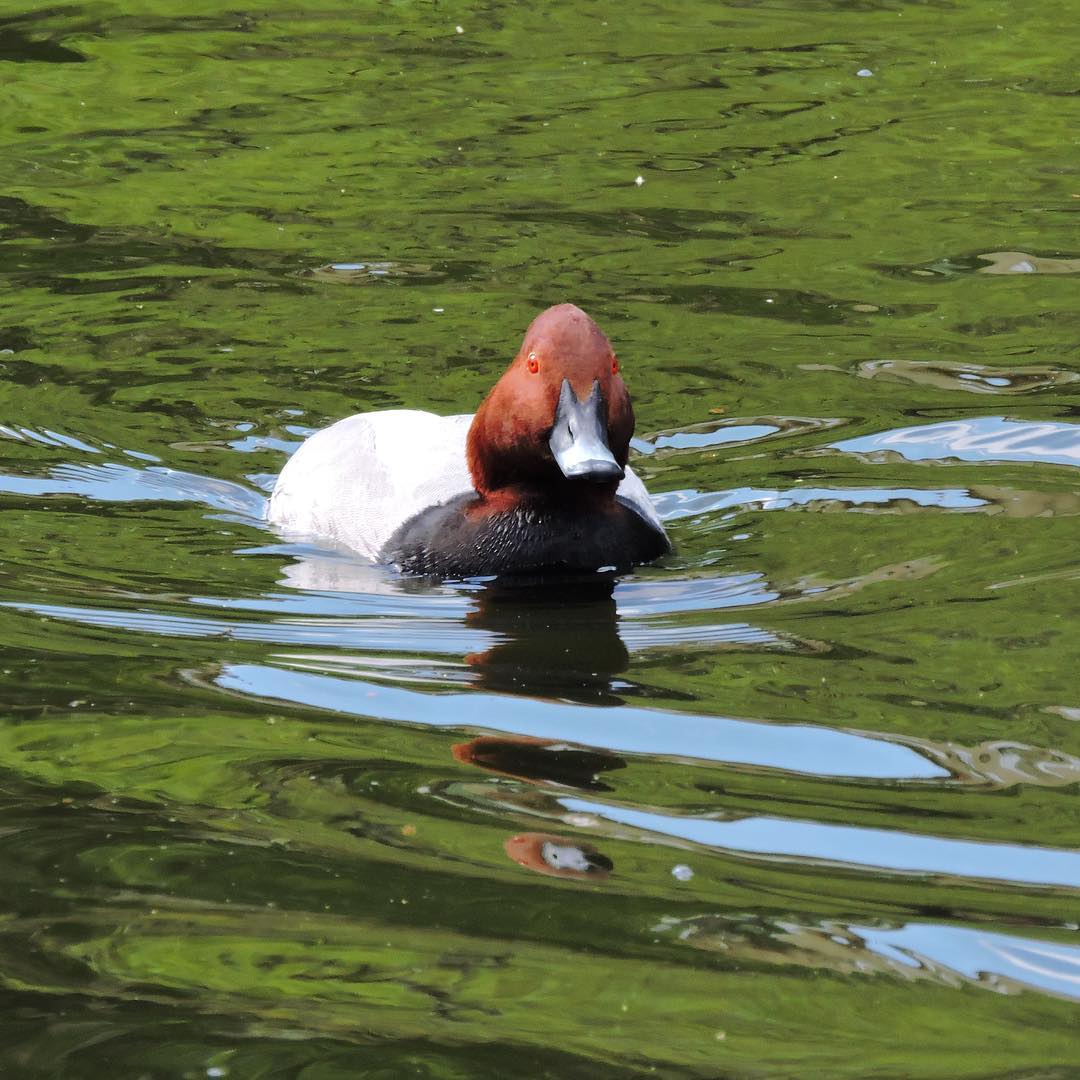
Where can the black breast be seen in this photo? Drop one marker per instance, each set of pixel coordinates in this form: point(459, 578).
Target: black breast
point(448, 541)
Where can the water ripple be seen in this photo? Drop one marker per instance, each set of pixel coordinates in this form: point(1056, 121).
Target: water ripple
point(730, 432)
point(988, 438)
point(951, 955)
point(403, 634)
point(674, 505)
point(123, 483)
point(660, 596)
point(883, 849)
point(970, 378)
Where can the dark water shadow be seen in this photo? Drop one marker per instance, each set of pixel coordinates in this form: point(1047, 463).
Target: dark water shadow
point(19, 46)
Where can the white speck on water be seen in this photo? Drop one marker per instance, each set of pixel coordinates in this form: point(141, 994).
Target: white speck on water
point(217, 1070)
point(864, 73)
point(769, 300)
point(604, 569)
point(682, 872)
point(438, 310)
point(459, 29)
point(639, 180)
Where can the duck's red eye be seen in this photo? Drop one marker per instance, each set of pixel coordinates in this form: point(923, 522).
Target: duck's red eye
point(533, 364)
point(614, 365)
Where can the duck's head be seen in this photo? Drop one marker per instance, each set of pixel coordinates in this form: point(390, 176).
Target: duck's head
point(560, 417)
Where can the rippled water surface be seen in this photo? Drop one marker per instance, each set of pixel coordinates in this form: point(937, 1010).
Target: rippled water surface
point(798, 801)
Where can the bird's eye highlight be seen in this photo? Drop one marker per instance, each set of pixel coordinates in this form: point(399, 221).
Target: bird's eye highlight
point(614, 365)
point(533, 364)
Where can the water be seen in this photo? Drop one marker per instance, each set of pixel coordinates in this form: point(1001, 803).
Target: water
point(799, 801)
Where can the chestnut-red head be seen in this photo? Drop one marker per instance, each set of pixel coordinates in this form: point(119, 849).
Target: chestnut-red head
point(560, 415)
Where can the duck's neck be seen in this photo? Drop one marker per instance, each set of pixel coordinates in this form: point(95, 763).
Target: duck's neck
point(579, 497)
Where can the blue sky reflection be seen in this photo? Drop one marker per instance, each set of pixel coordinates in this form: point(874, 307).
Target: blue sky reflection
point(985, 438)
point(873, 848)
point(818, 751)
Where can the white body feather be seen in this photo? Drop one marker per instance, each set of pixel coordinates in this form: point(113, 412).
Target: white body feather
point(357, 481)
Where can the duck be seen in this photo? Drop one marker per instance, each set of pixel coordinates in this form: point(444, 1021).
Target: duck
point(536, 482)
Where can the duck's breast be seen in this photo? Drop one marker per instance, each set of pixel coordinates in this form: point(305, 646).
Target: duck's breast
point(357, 481)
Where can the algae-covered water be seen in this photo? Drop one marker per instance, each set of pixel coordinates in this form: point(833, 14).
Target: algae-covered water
point(799, 801)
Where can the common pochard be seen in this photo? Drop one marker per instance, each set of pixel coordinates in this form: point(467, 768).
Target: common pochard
point(535, 482)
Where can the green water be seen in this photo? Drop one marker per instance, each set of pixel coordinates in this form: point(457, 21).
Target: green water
point(823, 761)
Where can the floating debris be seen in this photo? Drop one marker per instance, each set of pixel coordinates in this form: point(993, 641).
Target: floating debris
point(367, 273)
point(558, 856)
point(1001, 262)
point(1020, 262)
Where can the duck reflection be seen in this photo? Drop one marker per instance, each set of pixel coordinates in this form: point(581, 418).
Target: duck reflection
point(558, 856)
point(556, 639)
point(550, 637)
point(525, 758)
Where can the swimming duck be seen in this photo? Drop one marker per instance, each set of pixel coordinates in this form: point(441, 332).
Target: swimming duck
point(535, 482)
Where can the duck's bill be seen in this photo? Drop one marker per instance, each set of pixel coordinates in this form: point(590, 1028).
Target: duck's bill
point(579, 438)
